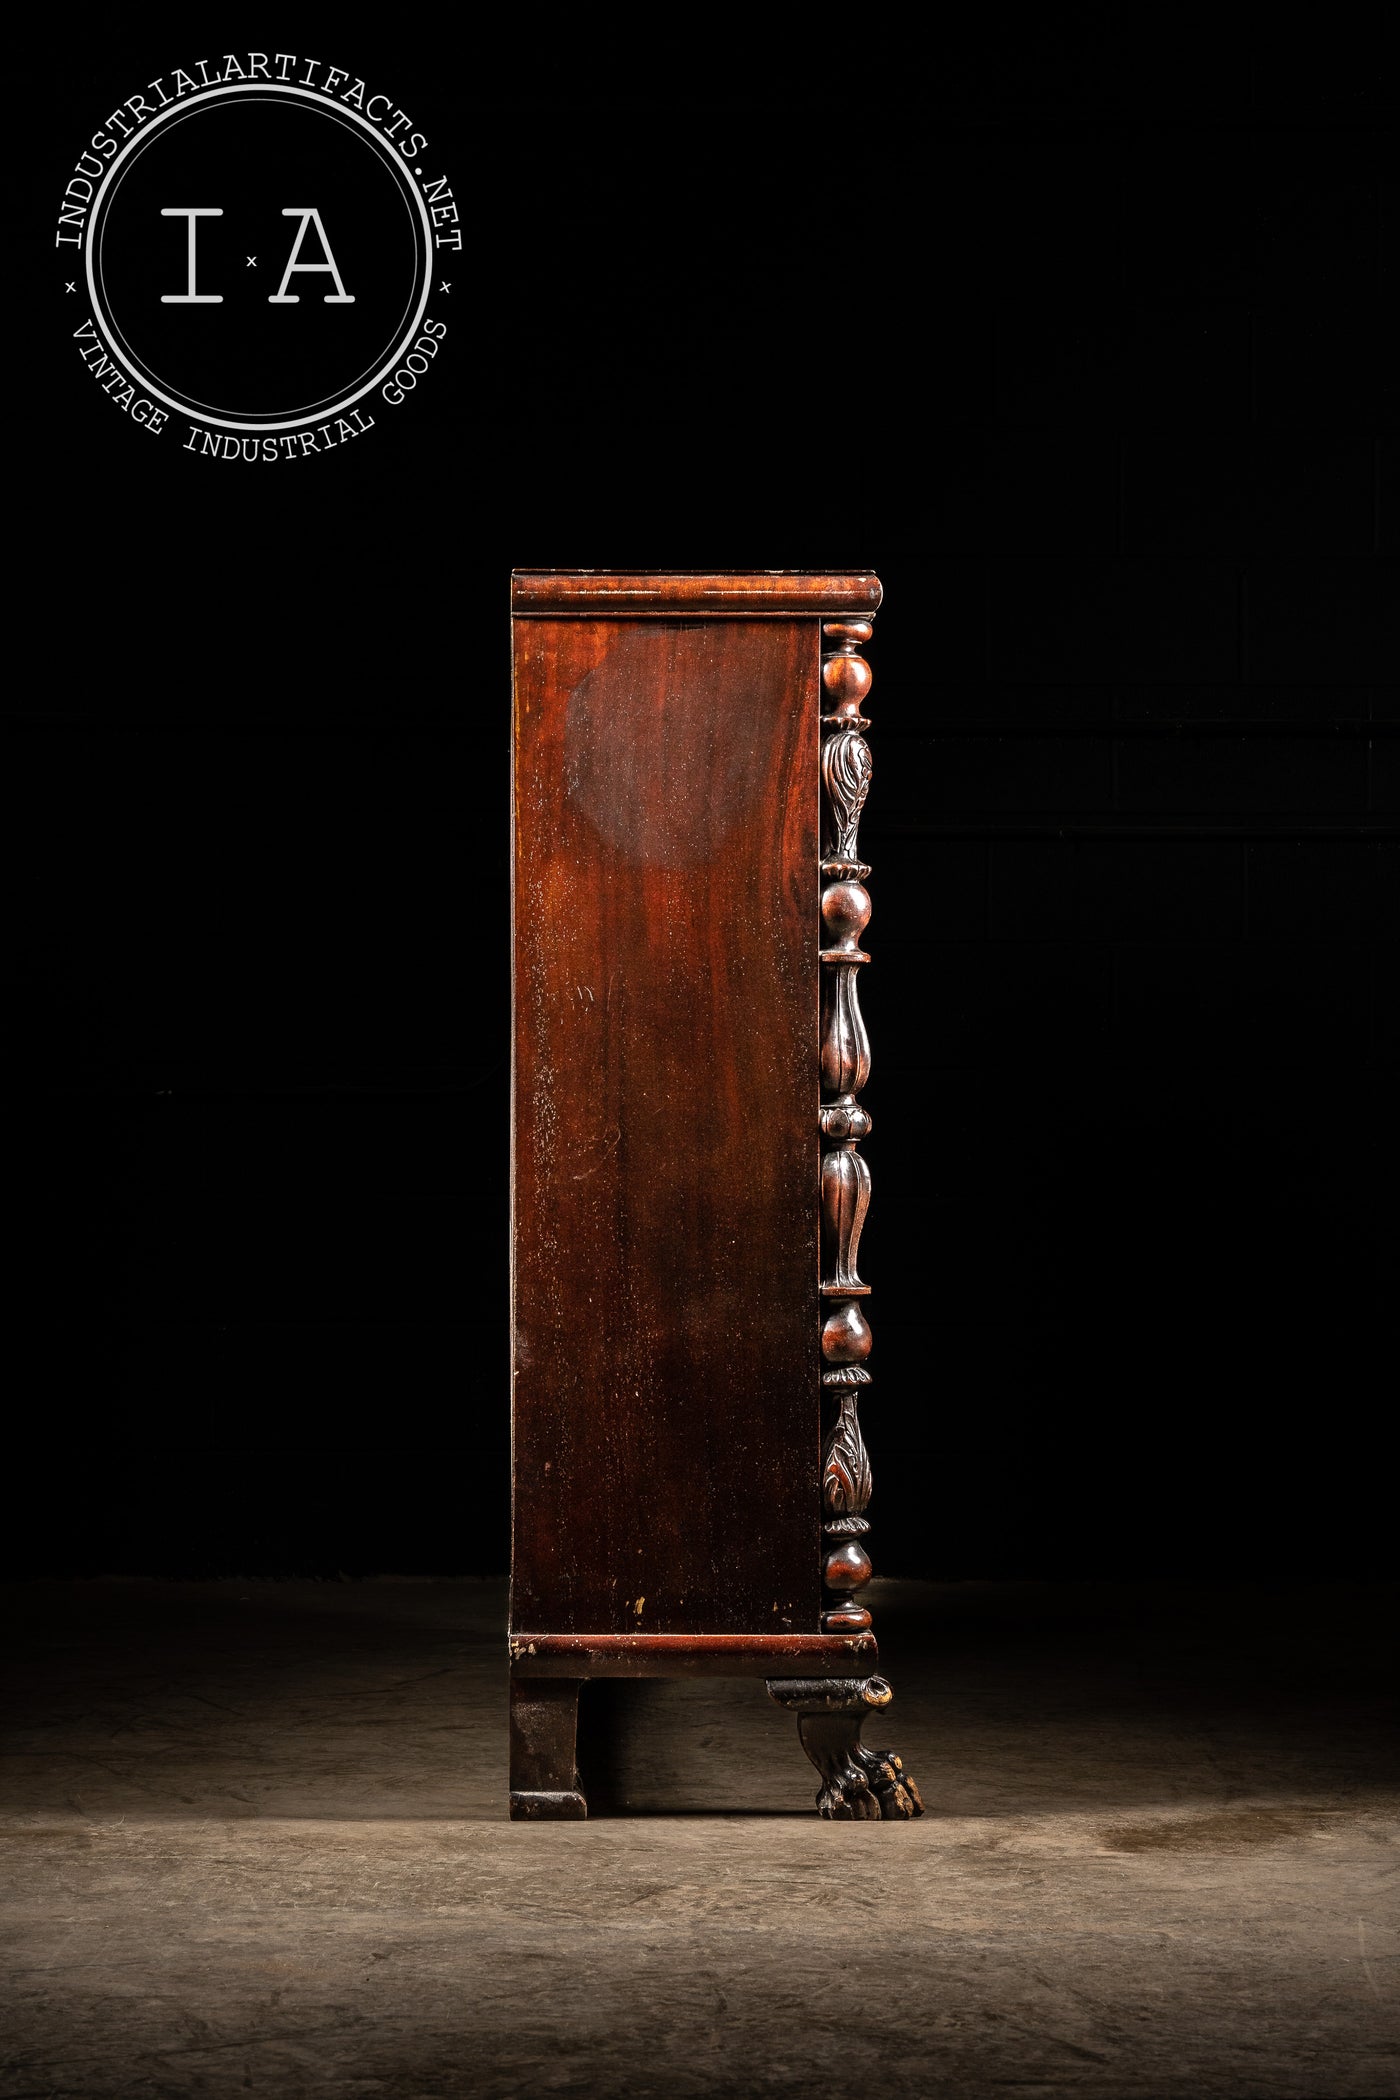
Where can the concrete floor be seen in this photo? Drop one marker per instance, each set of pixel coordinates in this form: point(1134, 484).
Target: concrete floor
point(256, 1843)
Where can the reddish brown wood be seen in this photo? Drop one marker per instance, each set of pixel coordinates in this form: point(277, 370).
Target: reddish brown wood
point(676, 1226)
point(689, 1654)
point(756, 593)
point(666, 1233)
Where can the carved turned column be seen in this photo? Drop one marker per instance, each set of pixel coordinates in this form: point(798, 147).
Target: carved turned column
point(845, 1179)
point(856, 1783)
point(689, 1486)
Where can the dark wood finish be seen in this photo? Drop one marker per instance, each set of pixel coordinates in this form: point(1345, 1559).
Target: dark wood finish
point(845, 1067)
point(687, 1033)
point(544, 1781)
point(857, 1785)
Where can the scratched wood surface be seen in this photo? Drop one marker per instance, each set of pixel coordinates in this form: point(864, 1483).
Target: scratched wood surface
point(666, 1417)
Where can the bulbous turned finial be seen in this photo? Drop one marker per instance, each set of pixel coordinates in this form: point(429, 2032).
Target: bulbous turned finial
point(846, 1336)
point(846, 912)
point(846, 676)
point(847, 1569)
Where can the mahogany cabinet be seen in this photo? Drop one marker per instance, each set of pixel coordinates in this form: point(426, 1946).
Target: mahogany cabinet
point(689, 1327)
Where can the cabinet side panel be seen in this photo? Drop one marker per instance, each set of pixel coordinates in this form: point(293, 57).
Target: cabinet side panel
point(666, 1416)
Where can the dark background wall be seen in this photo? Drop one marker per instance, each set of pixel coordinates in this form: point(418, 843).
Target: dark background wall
point(1074, 334)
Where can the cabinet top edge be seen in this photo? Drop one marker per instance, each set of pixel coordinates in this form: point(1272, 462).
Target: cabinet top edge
point(606, 593)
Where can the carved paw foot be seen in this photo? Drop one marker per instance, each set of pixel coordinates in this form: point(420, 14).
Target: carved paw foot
point(893, 1787)
point(845, 1795)
point(857, 1785)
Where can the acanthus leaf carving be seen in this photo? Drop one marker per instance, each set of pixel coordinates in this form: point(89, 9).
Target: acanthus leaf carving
point(846, 1479)
point(846, 770)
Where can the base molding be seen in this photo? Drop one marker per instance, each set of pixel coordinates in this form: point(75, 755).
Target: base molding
point(823, 1679)
point(691, 1654)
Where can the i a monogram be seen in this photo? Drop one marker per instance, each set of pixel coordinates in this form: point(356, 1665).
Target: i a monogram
point(307, 213)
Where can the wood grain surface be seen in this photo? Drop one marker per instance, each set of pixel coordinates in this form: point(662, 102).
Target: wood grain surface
point(665, 1171)
point(757, 593)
